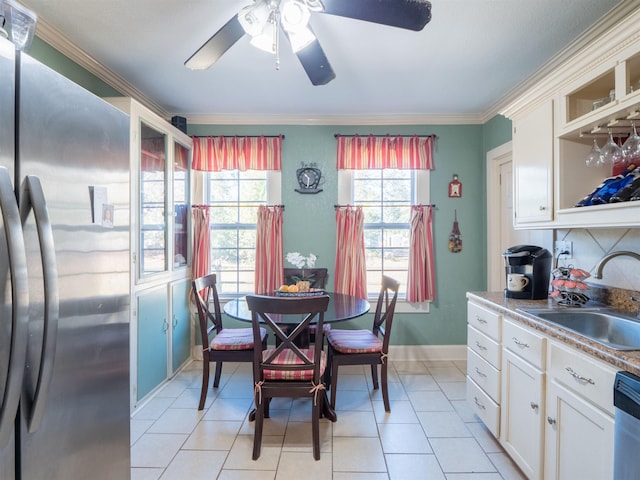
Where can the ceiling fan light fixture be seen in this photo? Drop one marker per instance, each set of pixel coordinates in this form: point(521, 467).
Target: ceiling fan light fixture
point(294, 16)
point(266, 40)
point(254, 18)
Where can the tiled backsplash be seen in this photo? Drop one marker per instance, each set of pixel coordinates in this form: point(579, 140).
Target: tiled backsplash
point(589, 246)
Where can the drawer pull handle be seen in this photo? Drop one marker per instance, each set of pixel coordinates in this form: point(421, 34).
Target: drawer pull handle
point(480, 373)
point(481, 347)
point(534, 406)
point(480, 319)
point(478, 404)
point(551, 421)
point(579, 377)
point(520, 344)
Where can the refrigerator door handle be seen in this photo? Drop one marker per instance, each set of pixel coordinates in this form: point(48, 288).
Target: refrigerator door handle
point(17, 262)
point(32, 198)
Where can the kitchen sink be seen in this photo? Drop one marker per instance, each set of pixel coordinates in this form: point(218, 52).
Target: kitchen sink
point(604, 326)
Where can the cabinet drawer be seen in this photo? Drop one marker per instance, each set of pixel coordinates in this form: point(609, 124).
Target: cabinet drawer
point(484, 320)
point(484, 374)
point(484, 346)
point(525, 343)
point(483, 406)
point(587, 376)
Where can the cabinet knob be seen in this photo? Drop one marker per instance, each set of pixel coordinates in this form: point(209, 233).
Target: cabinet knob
point(165, 325)
point(551, 421)
point(480, 319)
point(542, 208)
point(534, 406)
point(480, 373)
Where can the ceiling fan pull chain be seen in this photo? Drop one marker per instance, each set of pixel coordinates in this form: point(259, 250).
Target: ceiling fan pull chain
point(276, 36)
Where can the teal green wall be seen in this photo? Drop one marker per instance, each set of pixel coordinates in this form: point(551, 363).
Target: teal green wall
point(309, 220)
point(496, 132)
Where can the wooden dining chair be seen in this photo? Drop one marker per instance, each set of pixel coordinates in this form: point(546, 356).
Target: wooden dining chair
point(366, 347)
point(288, 370)
point(219, 344)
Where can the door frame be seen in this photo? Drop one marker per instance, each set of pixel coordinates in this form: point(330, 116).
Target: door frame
point(495, 158)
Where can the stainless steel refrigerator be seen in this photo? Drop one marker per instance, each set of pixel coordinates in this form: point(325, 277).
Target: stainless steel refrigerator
point(64, 278)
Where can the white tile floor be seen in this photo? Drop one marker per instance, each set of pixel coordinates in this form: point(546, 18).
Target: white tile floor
point(429, 434)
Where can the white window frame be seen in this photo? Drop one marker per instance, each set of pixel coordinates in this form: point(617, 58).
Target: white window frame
point(274, 197)
point(422, 196)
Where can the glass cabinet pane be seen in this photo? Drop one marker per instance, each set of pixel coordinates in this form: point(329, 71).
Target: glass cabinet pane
point(153, 228)
point(180, 205)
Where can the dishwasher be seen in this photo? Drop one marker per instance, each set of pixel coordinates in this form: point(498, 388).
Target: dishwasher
point(626, 399)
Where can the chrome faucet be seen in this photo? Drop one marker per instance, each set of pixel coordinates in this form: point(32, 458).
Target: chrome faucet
point(611, 255)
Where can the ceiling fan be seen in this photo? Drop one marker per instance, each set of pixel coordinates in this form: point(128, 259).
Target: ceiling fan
point(264, 19)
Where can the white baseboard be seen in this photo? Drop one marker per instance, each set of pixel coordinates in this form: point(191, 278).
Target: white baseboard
point(427, 352)
point(418, 353)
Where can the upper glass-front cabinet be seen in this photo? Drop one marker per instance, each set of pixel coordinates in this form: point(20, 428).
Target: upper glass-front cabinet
point(160, 194)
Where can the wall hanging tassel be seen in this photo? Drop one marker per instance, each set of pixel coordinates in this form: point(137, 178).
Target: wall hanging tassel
point(455, 238)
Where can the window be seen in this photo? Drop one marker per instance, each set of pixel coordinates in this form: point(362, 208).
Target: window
point(236, 196)
point(386, 196)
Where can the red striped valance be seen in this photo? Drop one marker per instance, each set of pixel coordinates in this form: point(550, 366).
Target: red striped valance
point(372, 151)
point(213, 154)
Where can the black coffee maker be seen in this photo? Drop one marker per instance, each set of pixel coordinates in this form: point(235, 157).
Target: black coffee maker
point(527, 270)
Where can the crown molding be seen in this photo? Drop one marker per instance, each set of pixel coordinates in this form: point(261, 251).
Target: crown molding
point(233, 119)
point(60, 42)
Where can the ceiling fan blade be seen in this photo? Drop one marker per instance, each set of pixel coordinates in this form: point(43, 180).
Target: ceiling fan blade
point(316, 63)
point(216, 46)
point(409, 14)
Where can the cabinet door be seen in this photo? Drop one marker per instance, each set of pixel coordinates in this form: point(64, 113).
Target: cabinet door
point(578, 436)
point(523, 413)
point(533, 165)
point(152, 339)
point(180, 324)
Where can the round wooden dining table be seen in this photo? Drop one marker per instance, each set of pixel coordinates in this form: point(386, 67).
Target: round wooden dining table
point(341, 307)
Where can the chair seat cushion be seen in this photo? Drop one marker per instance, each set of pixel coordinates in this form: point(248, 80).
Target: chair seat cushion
point(287, 357)
point(235, 339)
point(354, 341)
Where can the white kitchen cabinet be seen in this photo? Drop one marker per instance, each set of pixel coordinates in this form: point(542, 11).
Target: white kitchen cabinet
point(579, 417)
point(533, 165)
point(160, 160)
point(578, 437)
point(483, 365)
point(523, 402)
point(595, 90)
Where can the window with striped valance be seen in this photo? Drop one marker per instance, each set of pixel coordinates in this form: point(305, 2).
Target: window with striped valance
point(214, 154)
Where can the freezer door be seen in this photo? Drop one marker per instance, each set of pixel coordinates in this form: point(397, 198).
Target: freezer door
point(74, 142)
point(7, 319)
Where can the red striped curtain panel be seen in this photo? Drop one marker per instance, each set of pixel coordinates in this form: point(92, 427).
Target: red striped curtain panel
point(421, 279)
point(398, 152)
point(351, 273)
point(214, 154)
point(269, 250)
point(362, 153)
point(201, 263)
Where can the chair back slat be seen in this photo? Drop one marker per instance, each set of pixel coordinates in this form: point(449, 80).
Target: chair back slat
point(208, 306)
point(385, 309)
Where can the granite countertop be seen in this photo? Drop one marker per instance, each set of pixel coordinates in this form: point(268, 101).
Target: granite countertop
point(624, 360)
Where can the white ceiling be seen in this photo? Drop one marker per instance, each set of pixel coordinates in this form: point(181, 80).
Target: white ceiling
point(472, 57)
